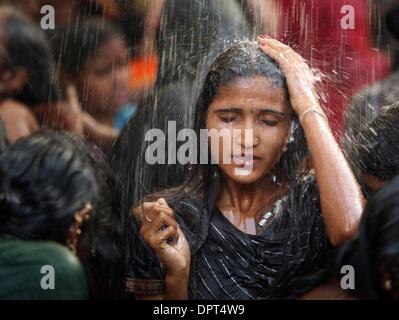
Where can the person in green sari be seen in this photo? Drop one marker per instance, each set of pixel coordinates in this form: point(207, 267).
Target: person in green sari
point(47, 190)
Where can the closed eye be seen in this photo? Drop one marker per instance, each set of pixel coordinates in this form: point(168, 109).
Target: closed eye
point(270, 123)
point(228, 115)
point(228, 119)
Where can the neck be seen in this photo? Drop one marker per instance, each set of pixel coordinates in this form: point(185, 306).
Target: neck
point(247, 200)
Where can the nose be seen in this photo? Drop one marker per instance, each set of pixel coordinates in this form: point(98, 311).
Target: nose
point(120, 75)
point(249, 135)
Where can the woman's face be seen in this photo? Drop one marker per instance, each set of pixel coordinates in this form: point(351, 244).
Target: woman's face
point(103, 84)
point(256, 124)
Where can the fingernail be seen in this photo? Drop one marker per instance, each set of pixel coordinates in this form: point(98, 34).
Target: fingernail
point(179, 243)
point(262, 36)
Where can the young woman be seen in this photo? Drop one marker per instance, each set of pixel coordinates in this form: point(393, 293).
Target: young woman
point(263, 234)
point(27, 94)
point(374, 151)
point(93, 57)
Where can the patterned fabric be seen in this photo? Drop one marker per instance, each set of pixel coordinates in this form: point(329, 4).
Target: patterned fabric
point(283, 261)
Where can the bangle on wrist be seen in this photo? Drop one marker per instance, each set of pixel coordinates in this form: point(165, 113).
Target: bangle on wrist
point(309, 111)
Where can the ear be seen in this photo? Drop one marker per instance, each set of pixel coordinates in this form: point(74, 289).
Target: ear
point(15, 80)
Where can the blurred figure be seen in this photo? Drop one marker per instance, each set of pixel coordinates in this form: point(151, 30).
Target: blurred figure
point(345, 57)
point(68, 12)
point(47, 190)
point(28, 97)
point(375, 154)
point(186, 48)
point(263, 15)
point(374, 254)
point(4, 143)
point(92, 56)
point(367, 103)
point(382, 28)
point(30, 8)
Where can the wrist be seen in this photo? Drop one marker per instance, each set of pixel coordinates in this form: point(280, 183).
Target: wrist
point(312, 112)
point(176, 286)
point(178, 273)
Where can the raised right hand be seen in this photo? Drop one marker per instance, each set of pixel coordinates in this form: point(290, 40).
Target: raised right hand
point(160, 230)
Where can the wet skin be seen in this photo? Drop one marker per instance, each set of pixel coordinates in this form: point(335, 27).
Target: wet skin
point(249, 104)
point(103, 83)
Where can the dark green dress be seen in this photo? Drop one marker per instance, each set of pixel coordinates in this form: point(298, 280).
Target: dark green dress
point(24, 275)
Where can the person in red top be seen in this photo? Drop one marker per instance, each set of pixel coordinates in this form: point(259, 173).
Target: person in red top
point(345, 57)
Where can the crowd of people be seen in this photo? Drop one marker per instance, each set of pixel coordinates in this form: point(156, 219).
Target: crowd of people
point(78, 194)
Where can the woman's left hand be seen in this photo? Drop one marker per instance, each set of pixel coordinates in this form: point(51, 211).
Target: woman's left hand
point(300, 78)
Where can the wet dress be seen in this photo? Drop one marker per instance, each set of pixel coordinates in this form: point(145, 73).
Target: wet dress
point(284, 260)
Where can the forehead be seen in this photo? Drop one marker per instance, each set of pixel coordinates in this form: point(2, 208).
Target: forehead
point(250, 92)
point(112, 47)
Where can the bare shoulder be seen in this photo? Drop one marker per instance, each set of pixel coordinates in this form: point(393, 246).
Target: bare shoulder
point(12, 107)
point(18, 119)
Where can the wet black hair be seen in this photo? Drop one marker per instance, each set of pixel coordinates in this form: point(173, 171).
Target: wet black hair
point(100, 246)
point(26, 46)
point(74, 44)
point(377, 240)
point(44, 180)
point(131, 22)
point(376, 152)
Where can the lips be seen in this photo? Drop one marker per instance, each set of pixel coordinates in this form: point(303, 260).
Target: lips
point(246, 160)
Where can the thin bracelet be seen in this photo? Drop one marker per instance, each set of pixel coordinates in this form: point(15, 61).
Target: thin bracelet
point(311, 110)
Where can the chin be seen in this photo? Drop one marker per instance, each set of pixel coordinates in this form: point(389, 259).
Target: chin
point(244, 177)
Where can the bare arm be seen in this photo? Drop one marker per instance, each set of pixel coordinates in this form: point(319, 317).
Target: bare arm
point(101, 134)
point(342, 201)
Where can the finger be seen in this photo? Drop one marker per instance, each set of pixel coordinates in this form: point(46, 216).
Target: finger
point(162, 202)
point(271, 52)
point(281, 48)
point(149, 231)
point(275, 43)
point(160, 240)
point(161, 208)
point(140, 211)
point(160, 222)
point(169, 233)
point(153, 213)
point(152, 209)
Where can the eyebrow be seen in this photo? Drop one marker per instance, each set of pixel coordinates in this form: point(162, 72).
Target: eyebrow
point(264, 110)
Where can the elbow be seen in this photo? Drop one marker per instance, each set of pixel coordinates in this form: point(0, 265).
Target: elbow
point(344, 227)
point(339, 237)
